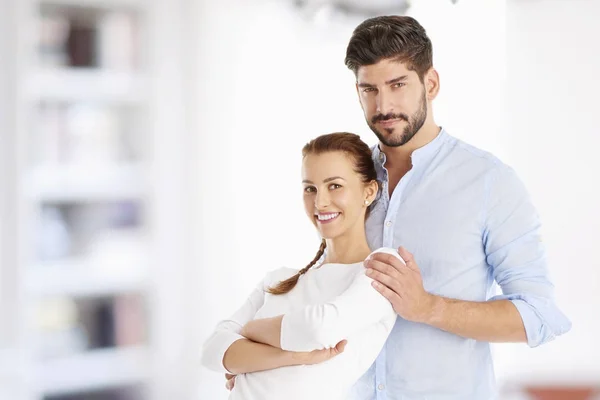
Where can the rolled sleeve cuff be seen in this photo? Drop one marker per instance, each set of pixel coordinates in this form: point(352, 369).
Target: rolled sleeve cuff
point(542, 319)
point(215, 348)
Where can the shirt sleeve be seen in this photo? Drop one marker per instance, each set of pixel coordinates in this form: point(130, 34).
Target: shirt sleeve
point(322, 326)
point(515, 252)
point(227, 331)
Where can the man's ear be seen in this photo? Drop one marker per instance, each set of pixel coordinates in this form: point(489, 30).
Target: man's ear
point(432, 83)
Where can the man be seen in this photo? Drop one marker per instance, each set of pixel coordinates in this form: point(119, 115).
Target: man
point(466, 219)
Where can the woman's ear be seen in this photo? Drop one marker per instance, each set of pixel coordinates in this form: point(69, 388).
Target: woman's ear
point(371, 190)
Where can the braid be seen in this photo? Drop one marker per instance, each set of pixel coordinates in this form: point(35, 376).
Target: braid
point(288, 284)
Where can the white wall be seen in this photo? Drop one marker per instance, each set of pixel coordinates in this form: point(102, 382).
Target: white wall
point(270, 81)
point(10, 367)
point(553, 141)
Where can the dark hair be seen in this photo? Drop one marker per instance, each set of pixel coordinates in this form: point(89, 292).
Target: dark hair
point(359, 151)
point(396, 37)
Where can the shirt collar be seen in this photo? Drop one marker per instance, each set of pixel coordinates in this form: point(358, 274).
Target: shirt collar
point(420, 155)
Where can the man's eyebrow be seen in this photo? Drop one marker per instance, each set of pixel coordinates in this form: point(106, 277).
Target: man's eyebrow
point(366, 85)
point(391, 81)
point(396, 80)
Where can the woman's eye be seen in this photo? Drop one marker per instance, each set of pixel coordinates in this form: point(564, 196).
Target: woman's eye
point(334, 186)
point(309, 189)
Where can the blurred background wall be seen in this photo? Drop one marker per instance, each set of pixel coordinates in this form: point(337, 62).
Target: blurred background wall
point(151, 167)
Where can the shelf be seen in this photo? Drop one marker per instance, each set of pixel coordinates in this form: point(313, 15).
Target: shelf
point(96, 369)
point(74, 84)
point(85, 183)
point(98, 4)
point(75, 278)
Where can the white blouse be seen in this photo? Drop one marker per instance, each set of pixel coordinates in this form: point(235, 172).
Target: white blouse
point(330, 303)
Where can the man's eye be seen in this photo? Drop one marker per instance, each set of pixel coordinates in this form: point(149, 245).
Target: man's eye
point(398, 85)
point(369, 89)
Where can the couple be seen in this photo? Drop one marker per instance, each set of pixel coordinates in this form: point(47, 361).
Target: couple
point(398, 325)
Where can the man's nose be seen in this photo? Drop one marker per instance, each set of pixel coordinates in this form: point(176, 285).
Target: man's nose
point(384, 103)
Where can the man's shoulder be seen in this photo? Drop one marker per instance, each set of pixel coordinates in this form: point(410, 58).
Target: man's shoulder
point(465, 151)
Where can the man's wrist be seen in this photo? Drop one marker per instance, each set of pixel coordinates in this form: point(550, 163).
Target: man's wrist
point(434, 310)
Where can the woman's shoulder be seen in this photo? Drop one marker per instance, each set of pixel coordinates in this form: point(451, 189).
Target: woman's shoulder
point(279, 274)
point(387, 250)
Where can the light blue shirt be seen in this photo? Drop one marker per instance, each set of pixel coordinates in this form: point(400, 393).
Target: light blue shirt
point(469, 222)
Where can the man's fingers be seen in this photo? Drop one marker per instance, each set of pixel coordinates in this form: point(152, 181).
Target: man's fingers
point(405, 254)
point(391, 282)
point(386, 292)
point(409, 259)
point(389, 259)
point(386, 268)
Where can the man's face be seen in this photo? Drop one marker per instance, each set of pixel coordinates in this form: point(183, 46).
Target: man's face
point(393, 100)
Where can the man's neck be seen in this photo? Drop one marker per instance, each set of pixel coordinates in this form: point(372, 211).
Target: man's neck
point(400, 157)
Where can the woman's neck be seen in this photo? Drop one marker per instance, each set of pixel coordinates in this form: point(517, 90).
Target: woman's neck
point(347, 249)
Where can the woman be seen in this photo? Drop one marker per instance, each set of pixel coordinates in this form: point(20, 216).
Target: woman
point(329, 304)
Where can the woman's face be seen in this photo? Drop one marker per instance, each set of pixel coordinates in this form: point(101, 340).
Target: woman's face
point(334, 194)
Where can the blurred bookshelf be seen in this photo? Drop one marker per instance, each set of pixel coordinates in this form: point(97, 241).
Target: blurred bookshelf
point(120, 368)
point(84, 180)
point(96, 219)
point(74, 183)
point(61, 84)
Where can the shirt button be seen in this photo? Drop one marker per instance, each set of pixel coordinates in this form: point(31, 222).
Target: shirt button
point(381, 386)
point(389, 223)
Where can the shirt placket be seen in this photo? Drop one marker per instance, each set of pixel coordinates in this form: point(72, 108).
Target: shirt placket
point(388, 241)
point(380, 375)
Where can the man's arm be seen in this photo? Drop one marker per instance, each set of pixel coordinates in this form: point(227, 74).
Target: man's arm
point(402, 285)
point(526, 311)
point(493, 321)
point(517, 257)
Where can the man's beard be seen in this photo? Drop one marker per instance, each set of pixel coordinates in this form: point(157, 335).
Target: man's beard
point(414, 123)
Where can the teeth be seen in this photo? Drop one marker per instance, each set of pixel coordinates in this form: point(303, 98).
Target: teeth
point(327, 217)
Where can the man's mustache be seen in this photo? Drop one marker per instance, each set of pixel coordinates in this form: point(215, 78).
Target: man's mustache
point(386, 117)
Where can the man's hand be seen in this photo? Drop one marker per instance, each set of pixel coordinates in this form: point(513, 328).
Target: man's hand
point(230, 383)
point(401, 284)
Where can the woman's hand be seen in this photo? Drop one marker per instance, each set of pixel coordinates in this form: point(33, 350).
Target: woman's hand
point(319, 356)
point(229, 381)
point(302, 358)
